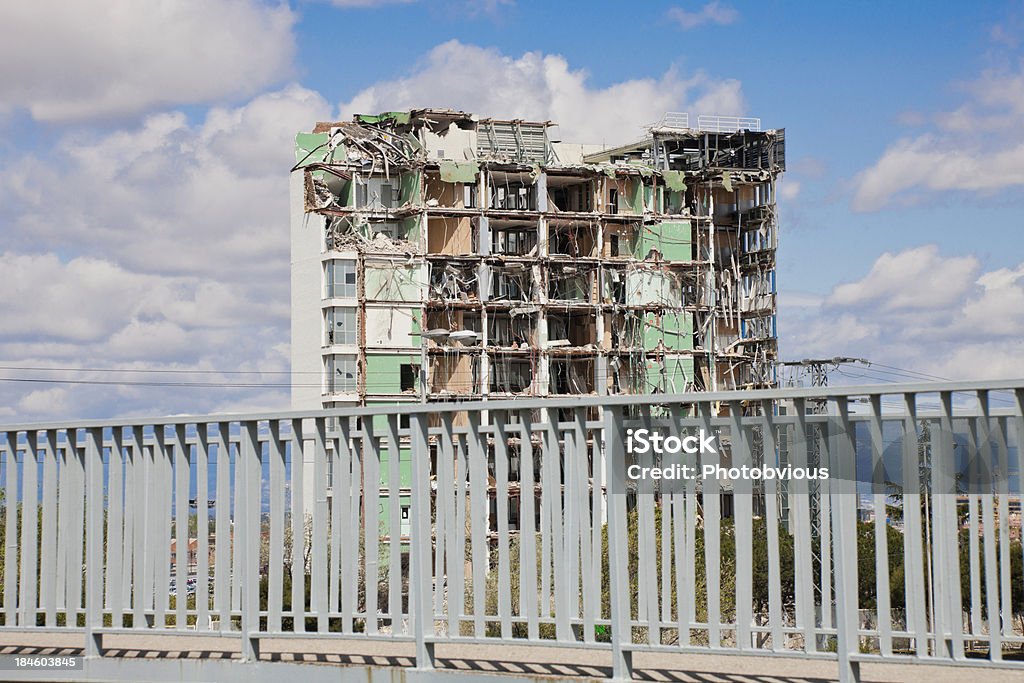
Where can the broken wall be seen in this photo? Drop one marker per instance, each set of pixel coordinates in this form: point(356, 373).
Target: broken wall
point(671, 239)
point(393, 326)
point(387, 281)
point(646, 287)
point(384, 372)
point(450, 235)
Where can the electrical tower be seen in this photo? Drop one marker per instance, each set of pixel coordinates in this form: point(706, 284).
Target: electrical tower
point(816, 370)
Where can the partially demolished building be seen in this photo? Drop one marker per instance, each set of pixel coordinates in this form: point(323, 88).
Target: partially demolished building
point(437, 256)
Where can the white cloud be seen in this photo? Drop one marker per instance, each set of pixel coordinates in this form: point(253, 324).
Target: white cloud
point(978, 148)
point(167, 197)
point(69, 61)
point(174, 239)
point(789, 189)
point(712, 13)
point(465, 8)
point(45, 401)
point(917, 278)
point(544, 87)
point(347, 4)
point(920, 310)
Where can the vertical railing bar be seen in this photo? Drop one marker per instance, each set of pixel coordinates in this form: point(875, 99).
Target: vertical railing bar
point(394, 526)
point(243, 536)
point(555, 455)
point(27, 603)
point(222, 542)
point(547, 504)
point(800, 506)
point(743, 506)
point(501, 507)
point(599, 510)
point(527, 528)
point(992, 595)
point(974, 532)
point(63, 456)
point(647, 577)
point(712, 535)
point(675, 503)
point(457, 543)
point(665, 580)
point(275, 572)
point(420, 545)
point(11, 529)
point(339, 485)
point(247, 536)
point(1018, 419)
point(115, 527)
point(345, 488)
point(130, 516)
point(478, 496)
point(318, 578)
point(843, 487)
point(142, 567)
point(879, 482)
point(916, 611)
point(945, 493)
point(202, 527)
point(825, 527)
point(163, 484)
point(48, 560)
point(618, 550)
point(590, 500)
point(573, 512)
point(689, 615)
point(93, 540)
point(356, 500)
point(298, 512)
point(76, 538)
point(934, 556)
point(443, 517)
point(583, 579)
point(1003, 489)
point(237, 512)
point(181, 523)
point(371, 498)
point(771, 508)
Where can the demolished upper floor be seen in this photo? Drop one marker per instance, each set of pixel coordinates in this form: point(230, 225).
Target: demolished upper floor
point(456, 142)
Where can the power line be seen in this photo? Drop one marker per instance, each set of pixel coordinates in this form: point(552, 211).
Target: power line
point(108, 382)
point(163, 370)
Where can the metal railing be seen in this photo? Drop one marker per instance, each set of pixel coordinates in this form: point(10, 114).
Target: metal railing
point(517, 522)
point(727, 124)
point(673, 119)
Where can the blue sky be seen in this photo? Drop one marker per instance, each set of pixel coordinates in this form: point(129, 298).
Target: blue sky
point(144, 156)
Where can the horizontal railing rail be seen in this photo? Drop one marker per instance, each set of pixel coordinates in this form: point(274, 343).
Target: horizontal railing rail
point(522, 522)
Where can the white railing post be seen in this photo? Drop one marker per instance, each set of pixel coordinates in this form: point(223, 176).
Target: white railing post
point(247, 537)
point(618, 547)
point(420, 544)
point(843, 485)
point(93, 540)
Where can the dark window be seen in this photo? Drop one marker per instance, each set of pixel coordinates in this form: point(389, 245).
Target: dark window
point(410, 377)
